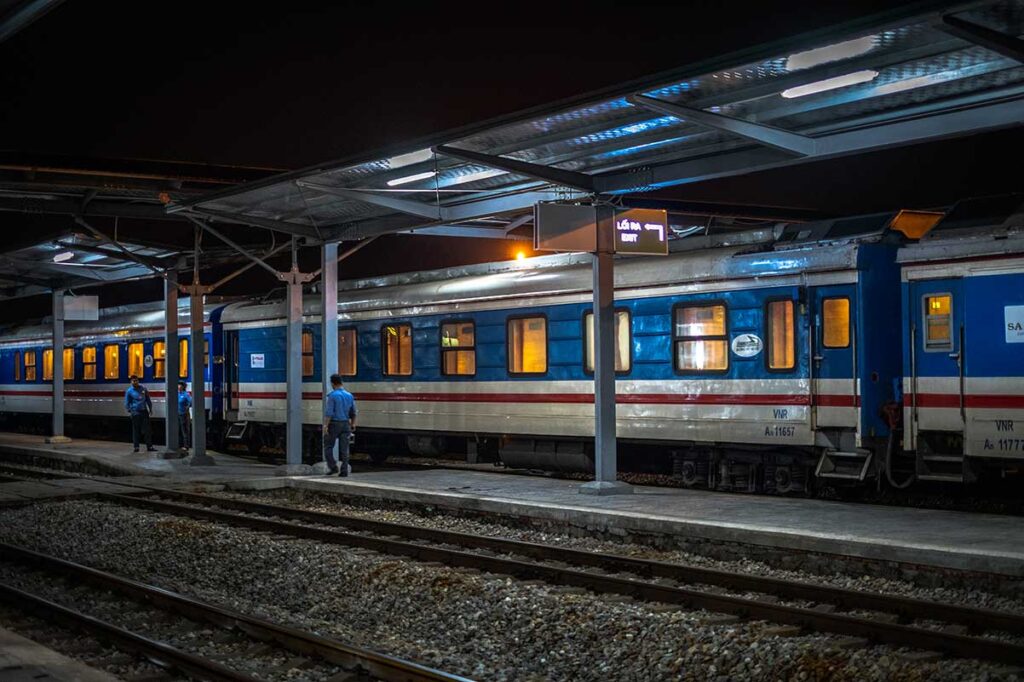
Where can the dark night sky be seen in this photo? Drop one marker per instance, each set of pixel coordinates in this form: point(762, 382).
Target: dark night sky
point(292, 84)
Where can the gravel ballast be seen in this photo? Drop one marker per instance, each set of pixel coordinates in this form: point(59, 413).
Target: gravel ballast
point(478, 625)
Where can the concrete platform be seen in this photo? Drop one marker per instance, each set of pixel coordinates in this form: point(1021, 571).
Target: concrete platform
point(22, 660)
point(985, 543)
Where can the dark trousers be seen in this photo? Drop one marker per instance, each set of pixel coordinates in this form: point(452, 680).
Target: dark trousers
point(185, 430)
point(141, 430)
point(337, 432)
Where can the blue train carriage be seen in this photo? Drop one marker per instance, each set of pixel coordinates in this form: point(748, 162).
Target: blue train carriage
point(749, 364)
point(963, 316)
point(98, 358)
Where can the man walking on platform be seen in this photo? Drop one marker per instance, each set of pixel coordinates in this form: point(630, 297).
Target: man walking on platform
point(139, 406)
point(339, 424)
point(184, 418)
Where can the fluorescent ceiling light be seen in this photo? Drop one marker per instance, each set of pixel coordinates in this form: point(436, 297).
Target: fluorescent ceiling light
point(411, 178)
point(410, 158)
point(831, 84)
point(830, 53)
point(63, 256)
point(479, 175)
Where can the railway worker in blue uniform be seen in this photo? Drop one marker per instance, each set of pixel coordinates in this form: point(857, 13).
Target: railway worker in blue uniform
point(139, 407)
point(184, 418)
point(339, 424)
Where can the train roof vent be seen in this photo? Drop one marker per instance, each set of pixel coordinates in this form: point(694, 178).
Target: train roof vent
point(979, 215)
point(836, 229)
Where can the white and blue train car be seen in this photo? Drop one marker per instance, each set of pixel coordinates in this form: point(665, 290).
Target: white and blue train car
point(98, 358)
point(750, 366)
point(963, 321)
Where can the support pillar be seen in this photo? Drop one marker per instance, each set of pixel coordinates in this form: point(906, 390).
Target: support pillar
point(196, 293)
point(171, 361)
point(58, 369)
point(329, 316)
point(293, 402)
point(605, 466)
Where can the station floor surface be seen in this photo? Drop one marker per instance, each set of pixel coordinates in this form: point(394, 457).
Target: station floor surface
point(22, 660)
point(958, 540)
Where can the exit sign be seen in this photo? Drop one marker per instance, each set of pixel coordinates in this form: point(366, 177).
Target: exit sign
point(641, 231)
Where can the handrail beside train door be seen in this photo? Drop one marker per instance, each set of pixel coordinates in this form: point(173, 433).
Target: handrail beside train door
point(912, 426)
point(960, 357)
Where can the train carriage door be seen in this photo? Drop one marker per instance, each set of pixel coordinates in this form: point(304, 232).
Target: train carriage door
point(936, 391)
point(231, 372)
point(833, 361)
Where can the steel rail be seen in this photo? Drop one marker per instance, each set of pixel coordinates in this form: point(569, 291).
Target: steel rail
point(160, 653)
point(952, 644)
point(907, 608)
point(15, 470)
point(380, 666)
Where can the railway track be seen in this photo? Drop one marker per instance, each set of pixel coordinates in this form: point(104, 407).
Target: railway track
point(161, 625)
point(950, 629)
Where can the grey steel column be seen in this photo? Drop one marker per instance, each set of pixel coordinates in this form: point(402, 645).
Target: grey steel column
point(58, 369)
point(604, 482)
point(171, 360)
point(199, 456)
point(329, 316)
point(293, 438)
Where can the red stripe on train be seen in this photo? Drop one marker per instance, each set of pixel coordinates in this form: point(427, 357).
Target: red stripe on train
point(952, 400)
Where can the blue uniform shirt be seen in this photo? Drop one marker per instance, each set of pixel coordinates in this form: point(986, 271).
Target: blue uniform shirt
point(184, 402)
point(340, 405)
point(136, 400)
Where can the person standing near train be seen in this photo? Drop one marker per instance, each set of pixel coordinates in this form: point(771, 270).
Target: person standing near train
point(139, 407)
point(339, 424)
point(184, 418)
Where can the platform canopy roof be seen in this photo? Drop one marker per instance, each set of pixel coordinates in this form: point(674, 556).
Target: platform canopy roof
point(922, 72)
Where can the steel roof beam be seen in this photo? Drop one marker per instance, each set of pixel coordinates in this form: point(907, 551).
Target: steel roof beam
point(157, 270)
point(955, 123)
point(245, 252)
point(767, 135)
point(24, 14)
point(416, 208)
point(555, 176)
point(94, 209)
point(265, 223)
point(467, 231)
point(1000, 43)
point(149, 261)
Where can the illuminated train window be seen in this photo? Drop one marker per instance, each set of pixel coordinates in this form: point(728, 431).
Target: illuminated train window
point(781, 334)
point(135, 360)
point(623, 356)
point(701, 338)
point(69, 363)
point(17, 365)
point(183, 359)
point(30, 365)
point(89, 363)
point(159, 359)
point(458, 348)
point(527, 345)
point(835, 317)
point(347, 347)
point(111, 362)
point(48, 364)
point(938, 322)
point(307, 353)
point(396, 348)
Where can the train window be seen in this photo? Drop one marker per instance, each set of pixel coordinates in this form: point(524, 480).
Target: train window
point(307, 353)
point(183, 360)
point(347, 345)
point(89, 363)
point(17, 365)
point(30, 365)
point(623, 356)
point(135, 360)
point(781, 333)
point(112, 362)
point(835, 315)
point(396, 345)
point(206, 352)
point(458, 348)
point(701, 341)
point(938, 322)
point(527, 345)
point(159, 359)
point(48, 364)
point(69, 363)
